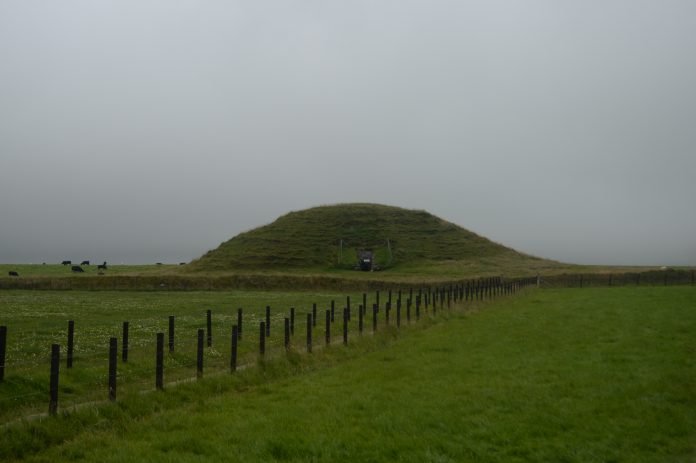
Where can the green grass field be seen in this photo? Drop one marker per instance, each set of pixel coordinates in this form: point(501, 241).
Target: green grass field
point(37, 319)
point(554, 375)
point(57, 270)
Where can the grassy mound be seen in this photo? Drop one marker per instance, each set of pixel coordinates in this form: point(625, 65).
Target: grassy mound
point(329, 236)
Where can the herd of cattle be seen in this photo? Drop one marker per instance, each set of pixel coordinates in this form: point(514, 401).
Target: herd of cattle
point(74, 268)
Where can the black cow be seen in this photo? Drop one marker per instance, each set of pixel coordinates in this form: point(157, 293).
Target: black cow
point(102, 266)
point(66, 262)
point(77, 269)
point(13, 274)
point(84, 262)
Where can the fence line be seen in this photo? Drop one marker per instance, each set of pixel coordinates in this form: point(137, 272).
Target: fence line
point(436, 298)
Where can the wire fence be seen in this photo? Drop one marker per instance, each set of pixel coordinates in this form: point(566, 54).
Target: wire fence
point(25, 377)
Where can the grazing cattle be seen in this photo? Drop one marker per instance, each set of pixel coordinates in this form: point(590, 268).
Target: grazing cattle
point(13, 274)
point(77, 269)
point(182, 263)
point(159, 263)
point(102, 266)
point(66, 262)
point(84, 262)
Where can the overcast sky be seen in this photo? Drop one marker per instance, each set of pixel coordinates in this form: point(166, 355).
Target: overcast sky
point(143, 131)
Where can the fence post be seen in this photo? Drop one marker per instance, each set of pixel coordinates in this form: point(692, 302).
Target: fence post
point(314, 314)
point(398, 312)
point(360, 319)
point(3, 349)
point(124, 343)
point(159, 362)
point(377, 298)
point(364, 304)
point(348, 306)
point(233, 356)
point(345, 326)
point(374, 317)
point(287, 333)
point(71, 340)
point(309, 332)
point(171, 333)
point(239, 324)
point(292, 320)
point(199, 354)
point(387, 308)
point(262, 339)
point(327, 329)
point(332, 310)
point(209, 327)
point(408, 310)
point(113, 355)
point(53, 389)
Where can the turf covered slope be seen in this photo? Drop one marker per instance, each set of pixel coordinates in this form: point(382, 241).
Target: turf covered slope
point(328, 237)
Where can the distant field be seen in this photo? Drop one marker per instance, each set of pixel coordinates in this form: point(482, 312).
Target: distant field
point(424, 272)
point(573, 375)
point(56, 270)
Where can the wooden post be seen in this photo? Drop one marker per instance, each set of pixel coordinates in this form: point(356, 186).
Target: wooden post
point(364, 304)
point(268, 321)
point(360, 319)
point(377, 298)
point(124, 343)
point(327, 329)
point(292, 320)
point(159, 362)
point(398, 311)
point(345, 326)
point(71, 340)
point(332, 310)
point(375, 308)
point(262, 339)
point(348, 306)
point(171, 333)
point(3, 350)
point(113, 355)
point(387, 308)
point(239, 324)
point(199, 355)
point(309, 332)
point(233, 356)
point(53, 383)
point(287, 333)
point(314, 314)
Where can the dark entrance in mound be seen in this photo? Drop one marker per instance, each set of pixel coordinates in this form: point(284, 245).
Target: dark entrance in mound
point(365, 260)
